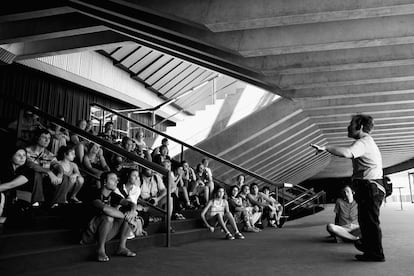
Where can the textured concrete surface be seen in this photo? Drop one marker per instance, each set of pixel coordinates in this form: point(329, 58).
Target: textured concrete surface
point(302, 247)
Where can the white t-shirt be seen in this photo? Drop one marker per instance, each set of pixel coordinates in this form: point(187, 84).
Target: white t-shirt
point(366, 161)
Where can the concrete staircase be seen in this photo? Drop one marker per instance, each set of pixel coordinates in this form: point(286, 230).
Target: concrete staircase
point(31, 248)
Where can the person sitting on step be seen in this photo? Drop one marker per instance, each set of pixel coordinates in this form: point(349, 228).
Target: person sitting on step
point(109, 221)
point(275, 210)
point(94, 162)
point(15, 176)
point(241, 214)
point(216, 210)
point(130, 190)
point(346, 227)
point(72, 181)
point(254, 210)
point(200, 190)
point(80, 143)
point(153, 191)
point(41, 161)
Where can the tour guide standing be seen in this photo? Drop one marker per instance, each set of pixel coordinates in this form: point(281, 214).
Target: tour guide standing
point(367, 183)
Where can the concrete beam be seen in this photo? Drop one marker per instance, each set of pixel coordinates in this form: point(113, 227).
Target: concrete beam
point(407, 165)
point(49, 47)
point(354, 90)
point(376, 32)
point(173, 37)
point(246, 14)
point(48, 28)
point(372, 109)
point(347, 77)
point(331, 60)
point(341, 67)
point(390, 99)
point(239, 23)
point(22, 10)
point(335, 84)
point(377, 115)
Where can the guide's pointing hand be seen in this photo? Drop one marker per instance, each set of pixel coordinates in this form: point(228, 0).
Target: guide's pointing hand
point(318, 148)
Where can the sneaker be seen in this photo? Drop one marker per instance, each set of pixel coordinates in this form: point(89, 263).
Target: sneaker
point(36, 204)
point(239, 236)
point(229, 236)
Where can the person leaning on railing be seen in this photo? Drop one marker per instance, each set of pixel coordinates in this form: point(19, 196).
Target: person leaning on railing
point(94, 162)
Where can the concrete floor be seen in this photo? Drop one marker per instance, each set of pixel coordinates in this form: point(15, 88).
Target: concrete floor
point(302, 247)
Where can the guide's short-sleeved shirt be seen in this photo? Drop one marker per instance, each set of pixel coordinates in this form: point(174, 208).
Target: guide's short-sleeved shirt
point(367, 160)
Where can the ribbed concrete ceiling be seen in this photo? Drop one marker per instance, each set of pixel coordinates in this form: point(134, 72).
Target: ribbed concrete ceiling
point(329, 59)
point(189, 85)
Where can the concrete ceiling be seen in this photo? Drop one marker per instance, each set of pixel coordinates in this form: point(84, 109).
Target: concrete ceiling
point(328, 58)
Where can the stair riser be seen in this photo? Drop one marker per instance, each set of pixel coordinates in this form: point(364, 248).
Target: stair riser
point(33, 262)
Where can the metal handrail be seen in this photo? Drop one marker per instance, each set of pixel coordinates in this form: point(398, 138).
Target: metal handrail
point(299, 196)
point(298, 187)
point(83, 171)
point(111, 147)
point(205, 153)
point(308, 200)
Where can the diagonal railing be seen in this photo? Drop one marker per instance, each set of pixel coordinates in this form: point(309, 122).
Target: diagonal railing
point(194, 148)
point(299, 189)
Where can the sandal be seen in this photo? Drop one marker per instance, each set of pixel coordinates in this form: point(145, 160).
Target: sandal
point(126, 253)
point(75, 200)
point(102, 257)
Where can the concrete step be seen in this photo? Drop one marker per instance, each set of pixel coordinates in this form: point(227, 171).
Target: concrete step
point(37, 259)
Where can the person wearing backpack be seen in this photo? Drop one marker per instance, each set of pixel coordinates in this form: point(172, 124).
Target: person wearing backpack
point(367, 184)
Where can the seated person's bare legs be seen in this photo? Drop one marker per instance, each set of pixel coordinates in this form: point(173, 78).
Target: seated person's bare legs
point(343, 232)
point(76, 188)
point(232, 222)
point(210, 186)
point(103, 231)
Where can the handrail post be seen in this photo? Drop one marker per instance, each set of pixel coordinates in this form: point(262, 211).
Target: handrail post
point(203, 152)
point(168, 217)
point(153, 122)
point(283, 201)
point(19, 124)
point(182, 153)
point(103, 120)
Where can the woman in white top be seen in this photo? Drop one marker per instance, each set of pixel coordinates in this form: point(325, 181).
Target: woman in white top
point(215, 210)
point(131, 191)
